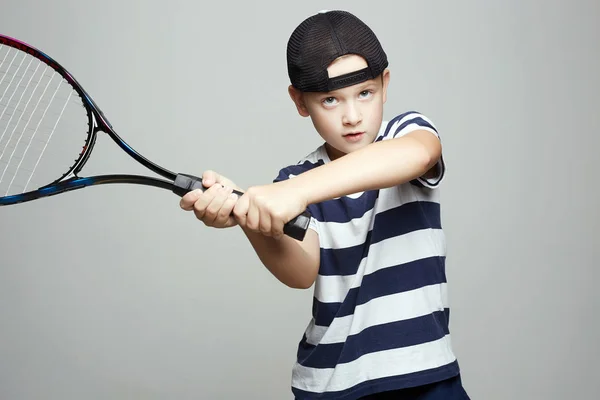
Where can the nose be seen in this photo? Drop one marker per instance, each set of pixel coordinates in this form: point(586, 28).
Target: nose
point(352, 115)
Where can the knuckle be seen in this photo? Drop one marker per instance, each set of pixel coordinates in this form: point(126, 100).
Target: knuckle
point(199, 216)
point(209, 214)
point(199, 209)
point(238, 213)
point(264, 224)
point(213, 189)
point(251, 193)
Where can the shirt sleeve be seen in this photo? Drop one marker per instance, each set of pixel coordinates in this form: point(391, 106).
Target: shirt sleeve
point(410, 122)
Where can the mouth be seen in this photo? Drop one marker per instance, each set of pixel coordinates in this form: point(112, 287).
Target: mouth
point(354, 136)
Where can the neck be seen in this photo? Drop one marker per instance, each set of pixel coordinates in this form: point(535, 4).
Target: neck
point(332, 152)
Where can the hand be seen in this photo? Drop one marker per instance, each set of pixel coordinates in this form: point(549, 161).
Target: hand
point(266, 209)
point(214, 206)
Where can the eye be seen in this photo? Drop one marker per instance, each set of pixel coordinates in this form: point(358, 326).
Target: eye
point(365, 94)
point(330, 101)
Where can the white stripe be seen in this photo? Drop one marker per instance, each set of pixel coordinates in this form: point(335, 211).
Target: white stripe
point(416, 246)
point(415, 127)
point(381, 310)
point(340, 235)
point(377, 365)
point(434, 182)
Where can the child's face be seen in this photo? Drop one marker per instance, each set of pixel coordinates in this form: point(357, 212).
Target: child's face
point(348, 119)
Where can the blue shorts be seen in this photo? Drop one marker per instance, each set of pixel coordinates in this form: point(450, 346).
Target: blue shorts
point(449, 389)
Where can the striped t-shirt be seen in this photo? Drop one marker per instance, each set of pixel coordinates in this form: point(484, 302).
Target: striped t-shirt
point(380, 306)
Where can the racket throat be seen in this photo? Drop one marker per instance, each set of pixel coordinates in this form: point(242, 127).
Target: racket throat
point(185, 183)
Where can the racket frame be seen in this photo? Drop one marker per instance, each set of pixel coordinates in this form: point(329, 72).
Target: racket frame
point(97, 122)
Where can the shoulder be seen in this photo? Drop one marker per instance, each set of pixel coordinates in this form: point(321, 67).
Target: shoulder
point(312, 160)
point(404, 123)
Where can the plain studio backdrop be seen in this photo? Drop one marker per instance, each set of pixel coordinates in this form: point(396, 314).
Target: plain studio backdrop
point(113, 292)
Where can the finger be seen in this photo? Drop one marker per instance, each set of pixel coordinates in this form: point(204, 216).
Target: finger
point(187, 201)
point(204, 201)
point(277, 228)
point(218, 197)
point(225, 217)
point(264, 223)
point(253, 218)
point(215, 210)
point(240, 211)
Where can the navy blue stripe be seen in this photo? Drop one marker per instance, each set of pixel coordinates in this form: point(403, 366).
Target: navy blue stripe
point(404, 219)
point(343, 261)
point(394, 335)
point(387, 281)
point(345, 208)
point(296, 170)
point(407, 218)
point(417, 120)
point(390, 124)
point(384, 384)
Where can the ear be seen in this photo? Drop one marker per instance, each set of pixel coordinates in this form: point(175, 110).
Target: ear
point(298, 99)
point(386, 80)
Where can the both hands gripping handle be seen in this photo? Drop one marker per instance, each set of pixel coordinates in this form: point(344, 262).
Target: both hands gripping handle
point(296, 228)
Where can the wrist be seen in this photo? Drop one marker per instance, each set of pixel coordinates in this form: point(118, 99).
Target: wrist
point(299, 189)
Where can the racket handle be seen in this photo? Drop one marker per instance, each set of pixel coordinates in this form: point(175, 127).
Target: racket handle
point(296, 228)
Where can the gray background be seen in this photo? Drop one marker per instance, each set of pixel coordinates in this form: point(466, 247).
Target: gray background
point(114, 293)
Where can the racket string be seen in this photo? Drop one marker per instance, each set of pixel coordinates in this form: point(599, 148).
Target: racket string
point(20, 118)
point(12, 115)
point(9, 85)
point(45, 146)
point(28, 145)
point(40, 118)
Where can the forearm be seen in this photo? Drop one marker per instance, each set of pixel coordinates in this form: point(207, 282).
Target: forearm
point(378, 165)
point(285, 258)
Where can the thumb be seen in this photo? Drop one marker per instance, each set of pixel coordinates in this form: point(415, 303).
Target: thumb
point(210, 178)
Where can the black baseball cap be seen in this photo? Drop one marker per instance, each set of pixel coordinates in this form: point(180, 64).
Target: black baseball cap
point(322, 38)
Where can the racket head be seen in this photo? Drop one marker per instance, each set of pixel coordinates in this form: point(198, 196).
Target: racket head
point(48, 123)
point(30, 82)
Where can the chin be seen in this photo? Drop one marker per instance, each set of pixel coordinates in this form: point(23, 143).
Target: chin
point(355, 147)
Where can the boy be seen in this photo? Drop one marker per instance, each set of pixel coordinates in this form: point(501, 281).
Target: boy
point(375, 250)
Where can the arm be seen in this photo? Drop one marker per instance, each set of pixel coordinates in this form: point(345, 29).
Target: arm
point(263, 210)
point(378, 165)
point(294, 263)
point(398, 160)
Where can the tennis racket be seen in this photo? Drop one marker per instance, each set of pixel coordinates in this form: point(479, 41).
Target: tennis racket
point(48, 128)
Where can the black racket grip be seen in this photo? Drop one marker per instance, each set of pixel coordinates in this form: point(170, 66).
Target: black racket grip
point(296, 228)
